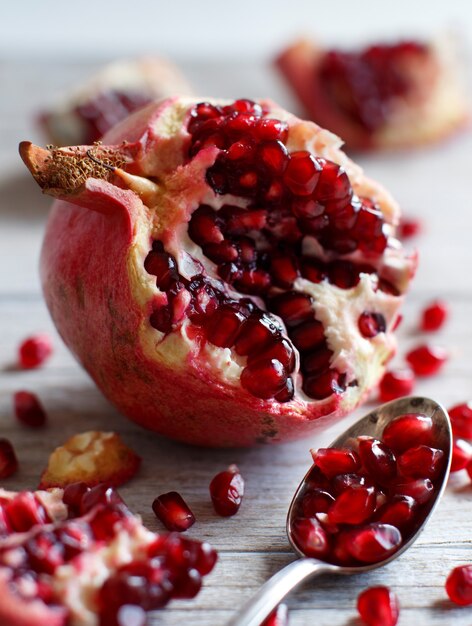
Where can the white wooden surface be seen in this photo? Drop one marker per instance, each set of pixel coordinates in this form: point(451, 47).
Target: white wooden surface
point(434, 184)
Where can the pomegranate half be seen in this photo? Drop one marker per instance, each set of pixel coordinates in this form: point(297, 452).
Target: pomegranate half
point(222, 270)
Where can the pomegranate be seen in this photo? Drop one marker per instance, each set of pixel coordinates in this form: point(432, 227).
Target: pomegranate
point(79, 556)
point(222, 270)
point(173, 511)
point(382, 96)
point(378, 606)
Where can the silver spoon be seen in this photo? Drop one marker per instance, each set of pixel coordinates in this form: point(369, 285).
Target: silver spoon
point(373, 424)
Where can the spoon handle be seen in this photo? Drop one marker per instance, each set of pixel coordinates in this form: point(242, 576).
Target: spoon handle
point(275, 589)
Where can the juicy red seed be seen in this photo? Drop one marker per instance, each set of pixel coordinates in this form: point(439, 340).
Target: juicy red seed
point(459, 585)
point(302, 173)
point(253, 281)
point(292, 307)
point(461, 419)
point(272, 130)
point(282, 350)
point(24, 512)
point(409, 227)
point(398, 511)
point(316, 501)
point(287, 393)
point(307, 336)
point(223, 327)
point(371, 324)
point(273, 156)
point(278, 617)
point(28, 409)
point(8, 460)
point(353, 506)
point(100, 494)
point(434, 316)
point(241, 150)
point(163, 267)
point(173, 511)
point(75, 537)
point(255, 334)
point(396, 384)
point(334, 461)
point(45, 553)
point(343, 274)
point(374, 542)
point(333, 185)
point(345, 481)
point(222, 252)
point(317, 361)
point(426, 360)
point(421, 462)
point(324, 385)
point(421, 490)
point(161, 319)
point(34, 351)
point(227, 491)
point(461, 455)
point(104, 521)
point(407, 431)
point(313, 271)
point(264, 379)
point(206, 558)
point(310, 537)
point(284, 270)
point(73, 495)
point(244, 105)
point(378, 606)
point(202, 228)
point(377, 459)
point(307, 208)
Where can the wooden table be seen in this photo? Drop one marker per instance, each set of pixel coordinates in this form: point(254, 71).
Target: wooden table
point(434, 184)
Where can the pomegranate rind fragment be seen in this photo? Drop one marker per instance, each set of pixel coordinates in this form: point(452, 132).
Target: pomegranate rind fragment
point(91, 457)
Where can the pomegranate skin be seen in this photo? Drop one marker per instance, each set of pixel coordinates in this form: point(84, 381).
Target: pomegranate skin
point(91, 286)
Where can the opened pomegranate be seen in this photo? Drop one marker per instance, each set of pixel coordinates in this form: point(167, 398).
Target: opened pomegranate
point(382, 96)
point(79, 556)
point(222, 270)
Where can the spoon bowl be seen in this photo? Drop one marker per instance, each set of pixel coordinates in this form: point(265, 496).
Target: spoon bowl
point(371, 425)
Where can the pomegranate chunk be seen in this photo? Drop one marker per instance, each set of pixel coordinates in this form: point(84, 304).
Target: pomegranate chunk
point(278, 617)
point(28, 409)
point(34, 351)
point(396, 384)
point(333, 461)
point(434, 316)
point(461, 420)
point(227, 491)
point(173, 511)
point(459, 585)
point(427, 360)
point(407, 431)
point(461, 455)
point(8, 460)
point(378, 606)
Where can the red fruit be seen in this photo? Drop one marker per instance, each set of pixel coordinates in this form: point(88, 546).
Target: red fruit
point(461, 420)
point(371, 324)
point(408, 431)
point(316, 501)
point(227, 491)
point(421, 490)
point(378, 606)
point(398, 511)
point(278, 617)
point(421, 462)
point(459, 585)
point(8, 460)
point(396, 384)
point(409, 227)
point(461, 455)
point(173, 511)
point(34, 351)
point(310, 537)
point(333, 461)
point(374, 542)
point(427, 360)
point(378, 460)
point(355, 505)
point(200, 294)
point(434, 316)
point(28, 409)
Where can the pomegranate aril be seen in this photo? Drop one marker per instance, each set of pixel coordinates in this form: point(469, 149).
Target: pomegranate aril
point(317, 361)
point(343, 274)
point(421, 462)
point(378, 460)
point(333, 186)
point(278, 617)
point(398, 511)
point(227, 491)
point(274, 156)
point(253, 281)
point(292, 307)
point(281, 349)
point(241, 150)
point(427, 360)
point(203, 228)
point(374, 542)
point(28, 409)
point(163, 267)
point(371, 324)
point(310, 537)
point(408, 431)
point(354, 505)
point(34, 351)
point(324, 385)
point(459, 585)
point(284, 270)
point(24, 512)
point(409, 227)
point(223, 252)
point(8, 460)
point(346, 481)
point(188, 586)
point(316, 501)
point(73, 495)
point(461, 455)
point(396, 384)
point(421, 490)
point(307, 336)
point(100, 494)
point(173, 511)
point(434, 316)
point(44, 552)
point(264, 379)
point(302, 173)
point(334, 461)
point(223, 327)
point(257, 333)
point(461, 420)
point(378, 606)
point(272, 130)
point(161, 319)
point(287, 393)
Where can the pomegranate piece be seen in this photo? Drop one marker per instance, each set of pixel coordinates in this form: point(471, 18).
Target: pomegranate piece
point(310, 537)
point(427, 360)
point(220, 307)
point(461, 420)
point(421, 462)
point(398, 511)
point(28, 409)
point(333, 461)
point(421, 490)
point(407, 431)
point(459, 585)
point(8, 460)
point(374, 542)
point(461, 455)
point(378, 606)
point(34, 351)
point(377, 458)
point(434, 316)
point(278, 617)
point(316, 501)
point(354, 505)
point(396, 384)
point(227, 491)
point(173, 511)
point(409, 227)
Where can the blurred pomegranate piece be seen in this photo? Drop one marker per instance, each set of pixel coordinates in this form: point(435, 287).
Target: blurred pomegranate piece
point(459, 585)
point(396, 383)
point(378, 606)
point(28, 409)
point(427, 360)
point(173, 511)
point(461, 420)
point(34, 351)
point(434, 316)
point(8, 460)
point(278, 617)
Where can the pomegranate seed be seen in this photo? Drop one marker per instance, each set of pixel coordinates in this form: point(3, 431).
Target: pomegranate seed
point(281, 350)
point(287, 392)
point(278, 617)
point(396, 384)
point(434, 316)
point(316, 501)
point(317, 361)
point(302, 173)
point(426, 360)
point(408, 431)
point(73, 495)
point(8, 460)
point(292, 307)
point(272, 130)
point(343, 274)
point(421, 462)
point(264, 379)
point(377, 459)
point(227, 491)
point(409, 227)
point(334, 461)
point(322, 386)
point(310, 537)
point(459, 585)
point(34, 351)
point(28, 409)
point(173, 511)
point(353, 506)
point(203, 228)
point(163, 266)
point(333, 186)
point(461, 420)
point(371, 324)
point(274, 156)
point(345, 481)
point(378, 606)
point(284, 270)
point(374, 542)
point(100, 494)
point(307, 336)
point(45, 553)
point(24, 512)
point(398, 511)
point(222, 252)
point(421, 490)
point(461, 455)
point(224, 326)
point(255, 334)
